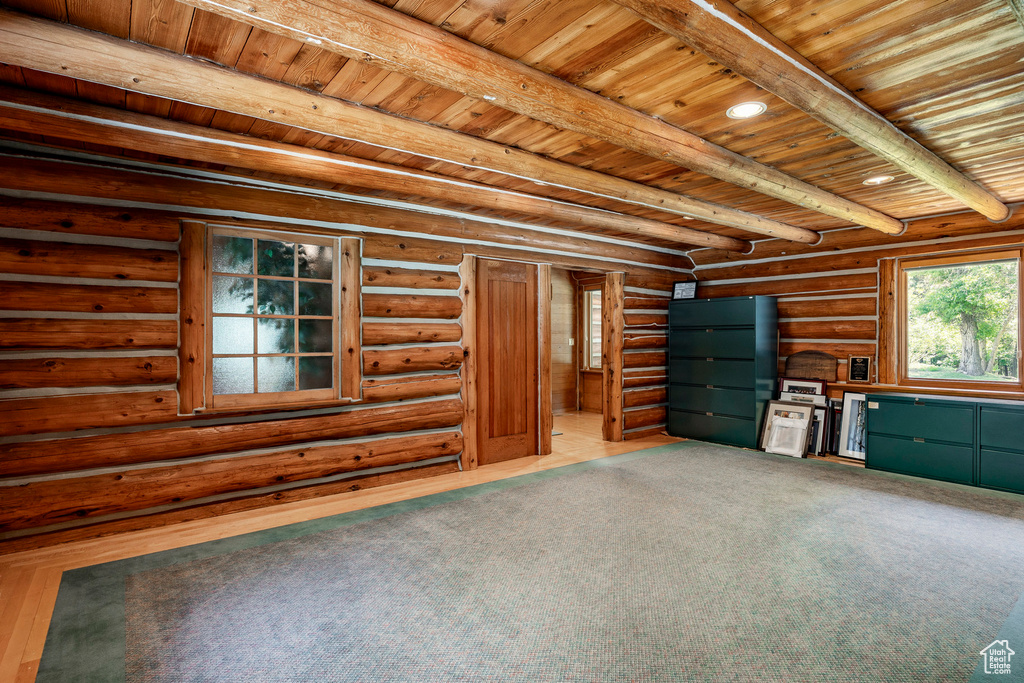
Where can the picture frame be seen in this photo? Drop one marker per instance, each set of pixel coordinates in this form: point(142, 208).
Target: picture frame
point(816, 445)
point(684, 290)
point(787, 428)
point(795, 397)
point(858, 369)
point(798, 385)
point(853, 433)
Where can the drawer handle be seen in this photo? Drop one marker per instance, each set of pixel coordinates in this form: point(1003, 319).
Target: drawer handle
point(709, 330)
point(710, 414)
point(711, 360)
point(918, 439)
point(710, 386)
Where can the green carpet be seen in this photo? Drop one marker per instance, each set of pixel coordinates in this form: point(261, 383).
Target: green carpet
point(678, 563)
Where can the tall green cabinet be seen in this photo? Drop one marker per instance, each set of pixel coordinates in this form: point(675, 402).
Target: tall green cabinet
point(722, 367)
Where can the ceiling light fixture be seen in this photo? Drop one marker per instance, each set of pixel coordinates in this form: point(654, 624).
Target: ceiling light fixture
point(879, 180)
point(746, 110)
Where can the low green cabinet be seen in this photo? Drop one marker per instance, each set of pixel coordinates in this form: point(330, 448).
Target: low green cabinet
point(722, 367)
point(963, 440)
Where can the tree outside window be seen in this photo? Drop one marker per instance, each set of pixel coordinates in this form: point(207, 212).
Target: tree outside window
point(961, 318)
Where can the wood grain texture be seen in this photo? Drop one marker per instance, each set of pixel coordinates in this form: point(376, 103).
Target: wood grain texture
point(192, 319)
point(612, 330)
point(644, 397)
point(417, 278)
point(411, 306)
point(380, 390)
point(545, 415)
point(70, 413)
point(41, 503)
point(349, 303)
point(60, 333)
point(644, 417)
point(35, 373)
point(887, 358)
point(415, 359)
point(59, 259)
point(49, 296)
point(111, 450)
point(380, 334)
point(471, 365)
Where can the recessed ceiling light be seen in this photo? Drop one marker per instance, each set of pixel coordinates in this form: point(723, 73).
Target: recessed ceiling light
point(746, 110)
point(879, 180)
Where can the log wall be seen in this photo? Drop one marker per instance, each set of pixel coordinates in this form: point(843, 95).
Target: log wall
point(828, 293)
point(92, 440)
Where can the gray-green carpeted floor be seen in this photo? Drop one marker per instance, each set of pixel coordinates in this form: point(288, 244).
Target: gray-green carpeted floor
point(683, 562)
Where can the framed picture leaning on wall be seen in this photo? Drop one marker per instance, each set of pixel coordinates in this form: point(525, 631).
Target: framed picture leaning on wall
point(787, 428)
point(853, 434)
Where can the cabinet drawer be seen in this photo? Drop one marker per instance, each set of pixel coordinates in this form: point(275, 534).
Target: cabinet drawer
point(734, 402)
point(1002, 429)
point(718, 428)
point(711, 313)
point(737, 374)
point(712, 343)
point(1001, 470)
point(934, 460)
point(932, 420)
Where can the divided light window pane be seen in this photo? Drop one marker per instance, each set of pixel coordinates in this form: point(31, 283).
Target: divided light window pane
point(962, 322)
point(273, 303)
point(592, 331)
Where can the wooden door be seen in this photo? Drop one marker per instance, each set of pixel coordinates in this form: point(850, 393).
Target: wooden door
point(507, 360)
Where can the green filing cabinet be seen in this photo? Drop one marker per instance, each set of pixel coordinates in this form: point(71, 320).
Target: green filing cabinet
point(969, 441)
point(723, 363)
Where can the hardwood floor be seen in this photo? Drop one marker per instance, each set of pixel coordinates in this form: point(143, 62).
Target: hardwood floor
point(29, 580)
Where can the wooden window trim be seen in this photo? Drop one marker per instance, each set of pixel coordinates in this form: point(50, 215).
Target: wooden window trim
point(195, 385)
point(586, 325)
point(893, 365)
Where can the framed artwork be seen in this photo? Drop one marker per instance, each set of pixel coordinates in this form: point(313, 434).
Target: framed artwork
point(787, 428)
point(858, 369)
point(684, 290)
point(853, 433)
point(795, 397)
point(802, 386)
point(816, 446)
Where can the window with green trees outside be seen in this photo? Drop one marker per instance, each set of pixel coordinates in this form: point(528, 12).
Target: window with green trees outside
point(961, 319)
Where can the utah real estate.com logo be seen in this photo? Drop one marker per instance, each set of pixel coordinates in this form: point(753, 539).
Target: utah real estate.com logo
point(997, 657)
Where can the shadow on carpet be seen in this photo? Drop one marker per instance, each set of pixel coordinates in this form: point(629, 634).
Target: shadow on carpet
point(679, 563)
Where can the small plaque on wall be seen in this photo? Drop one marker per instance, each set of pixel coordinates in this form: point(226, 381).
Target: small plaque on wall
point(858, 369)
point(684, 290)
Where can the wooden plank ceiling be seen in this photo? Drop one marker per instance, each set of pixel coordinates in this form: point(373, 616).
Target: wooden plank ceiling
point(945, 72)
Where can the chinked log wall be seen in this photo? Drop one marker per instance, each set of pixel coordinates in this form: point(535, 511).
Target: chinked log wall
point(828, 293)
point(91, 441)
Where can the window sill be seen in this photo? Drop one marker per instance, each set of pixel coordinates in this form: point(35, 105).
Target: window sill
point(278, 407)
point(936, 391)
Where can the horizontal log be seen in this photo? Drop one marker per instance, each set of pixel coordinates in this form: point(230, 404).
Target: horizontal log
point(643, 379)
point(420, 359)
point(49, 296)
point(644, 397)
point(89, 219)
point(61, 259)
point(837, 349)
point(375, 334)
point(417, 278)
point(60, 333)
point(935, 228)
point(828, 329)
point(821, 264)
point(646, 303)
point(644, 359)
point(51, 502)
point(403, 248)
point(34, 373)
point(828, 283)
point(111, 450)
point(645, 339)
point(644, 417)
point(646, 319)
point(69, 413)
point(403, 388)
point(411, 306)
point(149, 520)
point(645, 433)
point(824, 308)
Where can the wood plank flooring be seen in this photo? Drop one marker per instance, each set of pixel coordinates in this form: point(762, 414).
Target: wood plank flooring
point(29, 580)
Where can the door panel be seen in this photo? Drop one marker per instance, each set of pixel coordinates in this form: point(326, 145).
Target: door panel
point(507, 368)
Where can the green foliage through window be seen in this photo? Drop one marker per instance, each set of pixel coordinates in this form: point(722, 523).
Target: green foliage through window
point(962, 321)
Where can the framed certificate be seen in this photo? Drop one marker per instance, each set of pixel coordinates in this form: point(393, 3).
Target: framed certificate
point(684, 290)
point(858, 369)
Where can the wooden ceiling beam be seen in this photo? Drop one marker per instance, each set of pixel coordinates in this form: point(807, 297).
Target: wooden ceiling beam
point(375, 34)
point(734, 40)
point(58, 48)
point(52, 116)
